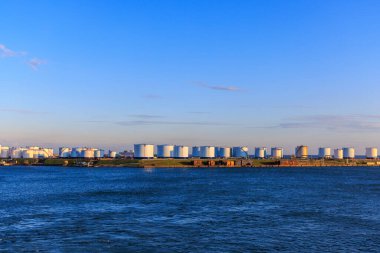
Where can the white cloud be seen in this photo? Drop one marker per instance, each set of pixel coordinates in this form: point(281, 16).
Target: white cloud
point(6, 52)
point(35, 63)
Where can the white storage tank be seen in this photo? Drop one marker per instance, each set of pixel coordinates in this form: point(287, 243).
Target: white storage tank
point(348, 153)
point(112, 154)
point(181, 152)
point(97, 153)
point(207, 152)
point(338, 153)
point(196, 152)
point(16, 153)
point(143, 151)
point(240, 151)
point(76, 152)
point(260, 152)
point(371, 153)
point(28, 154)
point(64, 152)
point(277, 153)
point(88, 153)
point(302, 152)
point(165, 151)
point(224, 152)
point(324, 153)
point(4, 152)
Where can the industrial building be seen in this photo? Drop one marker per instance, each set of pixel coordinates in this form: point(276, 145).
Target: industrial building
point(224, 152)
point(348, 153)
point(324, 153)
point(165, 151)
point(27, 152)
point(371, 153)
point(338, 153)
point(181, 151)
point(207, 152)
point(277, 153)
point(302, 152)
point(260, 152)
point(143, 151)
point(240, 152)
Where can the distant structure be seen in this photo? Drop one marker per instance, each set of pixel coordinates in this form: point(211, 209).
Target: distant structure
point(324, 153)
point(145, 151)
point(338, 153)
point(82, 152)
point(196, 151)
point(371, 153)
point(27, 152)
point(207, 152)
point(181, 151)
point(348, 153)
point(302, 152)
point(277, 153)
point(165, 151)
point(240, 152)
point(224, 152)
point(260, 152)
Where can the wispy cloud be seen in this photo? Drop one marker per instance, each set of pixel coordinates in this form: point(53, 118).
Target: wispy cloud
point(6, 52)
point(152, 96)
point(230, 88)
point(35, 63)
point(21, 111)
point(146, 116)
point(334, 122)
point(167, 122)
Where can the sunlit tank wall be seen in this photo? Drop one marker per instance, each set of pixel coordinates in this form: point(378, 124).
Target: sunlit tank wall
point(224, 152)
point(260, 152)
point(348, 153)
point(196, 152)
point(27, 154)
point(277, 153)
point(143, 151)
point(64, 152)
point(113, 154)
point(324, 152)
point(4, 152)
point(371, 153)
point(240, 151)
point(207, 152)
point(338, 153)
point(165, 151)
point(88, 153)
point(181, 152)
point(302, 152)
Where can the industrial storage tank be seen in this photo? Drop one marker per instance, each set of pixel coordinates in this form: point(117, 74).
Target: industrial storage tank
point(143, 151)
point(28, 154)
point(207, 152)
point(371, 153)
point(4, 152)
point(76, 152)
point(240, 151)
point(196, 152)
point(324, 152)
point(98, 153)
point(217, 149)
point(16, 153)
point(260, 152)
point(64, 152)
point(224, 152)
point(165, 151)
point(338, 153)
point(302, 152)
point(277, 153)
point(181, 152)
point(88, 153)
point(348, 153)
point(112, 154)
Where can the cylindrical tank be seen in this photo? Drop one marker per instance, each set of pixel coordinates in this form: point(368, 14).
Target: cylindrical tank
point(88, 153)
point(348, 153)
point(28, 153)
point(338, 153)
point(207, 152)
point(217, 149)
point(224, 152)
point(240, 151)
point(302, 152)
point(324, 152)
point(16, 153)
point(181, 152)
point(165, 151)
point(76, 152)
point(64, 152)
point(112, 154)
point(97, 153)
point(371, 153)
point(195, 152)
point(260, 152)
point(277, 153)
point(4, 152)
point(143, 151)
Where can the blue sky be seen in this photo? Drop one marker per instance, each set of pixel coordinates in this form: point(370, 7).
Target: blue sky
point(257, 73)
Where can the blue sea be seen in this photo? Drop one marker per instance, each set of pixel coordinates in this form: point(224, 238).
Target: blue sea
point(54, 209)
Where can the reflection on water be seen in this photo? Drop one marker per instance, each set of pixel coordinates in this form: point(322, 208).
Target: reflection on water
point(182, 210)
